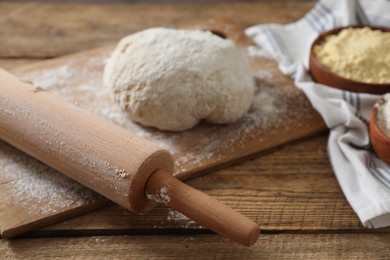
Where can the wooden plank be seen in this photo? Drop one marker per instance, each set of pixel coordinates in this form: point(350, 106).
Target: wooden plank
point(289, 189)
point(20, 20)
point(269, 246)
point(42, 29)
point(280, 114)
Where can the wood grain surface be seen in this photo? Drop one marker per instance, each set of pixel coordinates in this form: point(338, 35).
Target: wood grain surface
point(291, 192)
point(290, 189)
point(279, 246)
point(280, 113)
point(66, 28)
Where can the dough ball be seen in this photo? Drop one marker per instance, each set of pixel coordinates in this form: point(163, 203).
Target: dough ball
point(171, 79)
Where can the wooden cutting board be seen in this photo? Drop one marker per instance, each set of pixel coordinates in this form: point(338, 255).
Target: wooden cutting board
point(34, 195)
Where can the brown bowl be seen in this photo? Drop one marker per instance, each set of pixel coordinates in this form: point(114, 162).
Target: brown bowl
point(379, 140)
point(323, 75)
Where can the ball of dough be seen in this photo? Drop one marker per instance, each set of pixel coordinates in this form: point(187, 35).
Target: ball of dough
point(171, 79)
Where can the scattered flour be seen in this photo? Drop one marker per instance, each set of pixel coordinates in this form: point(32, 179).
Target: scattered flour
point(276, 107)
point(254, 51)
point(176, 216)
point(120, 172)
point(36, 187)
point(162, 197)
point(63, 74)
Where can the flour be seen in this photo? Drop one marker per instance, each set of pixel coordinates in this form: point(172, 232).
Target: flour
point(120, 172)
point(171, 79)
point(176, 216)
point(256, 52)
point(277, 106)
point(383, 116)
point(36, 187)
point(162, 196)
point(63, 72)
point(359, 54)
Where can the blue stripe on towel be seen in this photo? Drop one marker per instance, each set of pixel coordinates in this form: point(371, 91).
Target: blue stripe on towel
point(320, 18)
point(311, 19)
point(348, 98)
point(279, 49)
point(271, 41)
point(358, 107)
point(379, 20)
point(293, 74)
point(361, 16)
point(354, 100)
point(329, 18)
point(282, 46)
point(359, 113)
point(379, 172)
point(369, 224)
point(322, 12)
point(311, 22)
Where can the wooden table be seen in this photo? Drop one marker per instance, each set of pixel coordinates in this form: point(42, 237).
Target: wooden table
point(291, 192)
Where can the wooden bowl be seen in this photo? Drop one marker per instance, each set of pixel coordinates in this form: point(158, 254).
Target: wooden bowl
point(323, 75)
point(379, 140)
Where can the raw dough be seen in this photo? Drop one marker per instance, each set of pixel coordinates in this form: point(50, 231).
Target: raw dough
point(171, 79)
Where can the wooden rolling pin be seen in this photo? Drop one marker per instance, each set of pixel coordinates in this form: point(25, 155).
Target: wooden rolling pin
point(110, 160)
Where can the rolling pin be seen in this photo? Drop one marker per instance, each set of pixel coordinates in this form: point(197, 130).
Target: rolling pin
point(129, 170)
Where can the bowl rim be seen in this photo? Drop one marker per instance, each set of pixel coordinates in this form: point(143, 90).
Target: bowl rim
point(321, 37)
point(374, 119)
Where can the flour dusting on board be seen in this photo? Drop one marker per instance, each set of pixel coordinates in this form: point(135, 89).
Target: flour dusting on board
point(162, 196)
point(178, 217)
point(36, 187)
point(277, 107)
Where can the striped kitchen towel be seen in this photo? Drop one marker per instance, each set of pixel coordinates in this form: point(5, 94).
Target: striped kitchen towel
point(363, 177)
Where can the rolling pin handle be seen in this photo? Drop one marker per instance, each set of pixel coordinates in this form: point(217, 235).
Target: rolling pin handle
point(99, 152)
point(163, 188)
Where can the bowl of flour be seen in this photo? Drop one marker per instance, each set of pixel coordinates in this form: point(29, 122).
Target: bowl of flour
point(355, 58)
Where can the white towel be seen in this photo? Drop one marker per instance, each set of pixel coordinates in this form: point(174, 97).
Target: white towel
point(363, 177)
